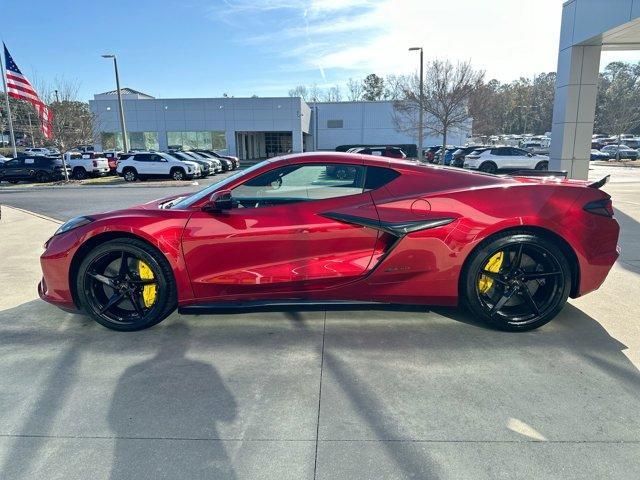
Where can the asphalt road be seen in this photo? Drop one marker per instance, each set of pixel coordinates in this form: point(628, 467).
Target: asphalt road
point(63, 203)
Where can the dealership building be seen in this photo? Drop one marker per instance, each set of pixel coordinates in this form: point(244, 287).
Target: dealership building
point(251, 128)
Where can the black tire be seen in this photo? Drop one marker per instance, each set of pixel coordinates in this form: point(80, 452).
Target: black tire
point(130, 174)
point(42, 177)
point(488, 167)
point(79, 173)
point(522, 295)
point(116, 282)
point(544, 165)
point(178, 174)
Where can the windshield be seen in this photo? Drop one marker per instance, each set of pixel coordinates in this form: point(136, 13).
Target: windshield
point(186, 202)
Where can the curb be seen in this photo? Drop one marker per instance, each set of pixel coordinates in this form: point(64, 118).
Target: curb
point(615, 164)
point(44, 217)
point(53, 187)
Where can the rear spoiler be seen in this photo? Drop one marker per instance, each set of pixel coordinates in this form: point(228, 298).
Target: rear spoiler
point(600, 183)
point(538, 173)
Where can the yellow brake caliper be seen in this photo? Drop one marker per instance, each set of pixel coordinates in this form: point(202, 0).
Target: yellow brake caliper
point(493, 265)
point(149, 291)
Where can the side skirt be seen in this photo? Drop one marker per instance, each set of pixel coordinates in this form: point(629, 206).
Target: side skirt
point(289, 305)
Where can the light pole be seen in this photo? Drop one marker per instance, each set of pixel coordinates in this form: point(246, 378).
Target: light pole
point(421, 113)
point(125, 140)
point(61, 142)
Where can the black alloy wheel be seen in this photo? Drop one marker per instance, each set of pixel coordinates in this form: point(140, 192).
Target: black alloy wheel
point(517, 282)
point(126, 285)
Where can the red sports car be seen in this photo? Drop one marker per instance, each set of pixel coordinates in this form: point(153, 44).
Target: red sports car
point(511, 249)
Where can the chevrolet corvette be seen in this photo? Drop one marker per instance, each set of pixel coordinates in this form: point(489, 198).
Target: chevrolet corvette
point(288, 233)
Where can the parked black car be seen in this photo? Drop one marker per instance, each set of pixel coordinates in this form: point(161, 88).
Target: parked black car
point(38, 169)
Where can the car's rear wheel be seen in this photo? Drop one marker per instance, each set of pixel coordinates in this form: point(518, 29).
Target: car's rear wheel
point(126, 285)
point(79, 173)
point(129, 175)
point(42, 177)
point(488, 167)
point(516, 282)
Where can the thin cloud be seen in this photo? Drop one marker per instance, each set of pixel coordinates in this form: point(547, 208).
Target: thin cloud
point(341, 38)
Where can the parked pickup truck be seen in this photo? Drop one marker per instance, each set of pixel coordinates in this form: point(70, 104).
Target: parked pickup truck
point(83, 166)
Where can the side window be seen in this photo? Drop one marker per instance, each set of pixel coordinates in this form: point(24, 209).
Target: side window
point(376, 177)
point(496, 151)
point(295, 183)
point(16, 162)
point(29, 161)
point(141, 157)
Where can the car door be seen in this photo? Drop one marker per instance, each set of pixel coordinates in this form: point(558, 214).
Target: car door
point(13, 169)
point(278, 238)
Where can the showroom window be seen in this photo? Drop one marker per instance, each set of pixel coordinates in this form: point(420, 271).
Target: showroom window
point(335, 123)
point(191, 140)
point(137, 140)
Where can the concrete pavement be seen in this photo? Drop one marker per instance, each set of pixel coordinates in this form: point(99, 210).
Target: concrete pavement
point(327, 395)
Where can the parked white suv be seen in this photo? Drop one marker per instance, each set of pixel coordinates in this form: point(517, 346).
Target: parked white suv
point(37, 152)
point(491, 160)
point(83, 165)
point(155, 165)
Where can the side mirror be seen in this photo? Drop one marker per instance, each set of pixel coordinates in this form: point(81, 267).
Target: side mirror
point(219, 201)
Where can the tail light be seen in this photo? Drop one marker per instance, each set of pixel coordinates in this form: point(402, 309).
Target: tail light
point(602, 207)
point(95, 163)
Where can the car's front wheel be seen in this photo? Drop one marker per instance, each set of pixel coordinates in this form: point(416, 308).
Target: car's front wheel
point(126, 285)
point(516, 281)
point(178, 174)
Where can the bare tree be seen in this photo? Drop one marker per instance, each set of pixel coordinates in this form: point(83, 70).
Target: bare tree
point(447, 89)
point(300, 91)
point(393, 89)
point(333, 94)
point(354, 90)
point(315, 93)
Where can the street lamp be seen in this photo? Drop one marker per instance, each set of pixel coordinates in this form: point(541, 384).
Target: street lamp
point(125, 140)
point(421, 113)
point(61, 142)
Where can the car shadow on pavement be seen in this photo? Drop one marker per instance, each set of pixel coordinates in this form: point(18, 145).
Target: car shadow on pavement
point(170, 397)
point(169, 401)
point(569, 380)
point(629, 242)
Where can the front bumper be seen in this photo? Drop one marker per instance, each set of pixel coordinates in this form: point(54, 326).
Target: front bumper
point(54, 287)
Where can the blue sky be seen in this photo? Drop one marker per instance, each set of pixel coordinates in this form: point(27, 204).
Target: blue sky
point(199, 48)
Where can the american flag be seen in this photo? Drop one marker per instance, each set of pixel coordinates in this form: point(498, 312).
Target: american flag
point(19, 87)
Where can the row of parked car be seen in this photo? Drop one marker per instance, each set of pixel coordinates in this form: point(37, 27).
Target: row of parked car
point(43, 165)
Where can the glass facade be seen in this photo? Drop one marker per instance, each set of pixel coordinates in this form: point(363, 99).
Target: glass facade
point(137, 140)
point(191, 140)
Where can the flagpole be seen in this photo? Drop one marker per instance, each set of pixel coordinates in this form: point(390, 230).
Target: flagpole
point(6, 99)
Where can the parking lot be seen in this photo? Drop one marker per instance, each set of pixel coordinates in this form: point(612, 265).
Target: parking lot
point(332, 394)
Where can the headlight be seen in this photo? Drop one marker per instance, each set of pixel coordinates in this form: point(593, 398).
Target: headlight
point(73, 223)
